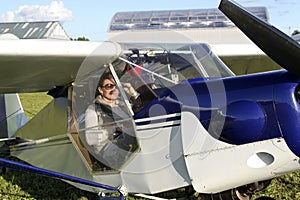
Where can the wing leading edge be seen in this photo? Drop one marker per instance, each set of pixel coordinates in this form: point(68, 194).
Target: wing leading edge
point(40, 65)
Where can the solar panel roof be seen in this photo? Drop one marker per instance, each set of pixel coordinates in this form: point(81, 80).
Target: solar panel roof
point(176, 19)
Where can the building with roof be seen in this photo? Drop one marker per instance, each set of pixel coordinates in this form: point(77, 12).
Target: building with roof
point(296, 37)
point(33, 30)
point(197, 25)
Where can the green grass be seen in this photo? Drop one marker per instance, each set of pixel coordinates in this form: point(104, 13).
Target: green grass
point(20, 185)
point(284, 187)
point(33, 102)
point(15, 185)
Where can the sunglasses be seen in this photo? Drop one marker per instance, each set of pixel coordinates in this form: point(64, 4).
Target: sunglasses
point(109, 86)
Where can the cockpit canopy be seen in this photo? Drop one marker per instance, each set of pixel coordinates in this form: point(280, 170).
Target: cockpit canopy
point(149, 68)
point(152, 64)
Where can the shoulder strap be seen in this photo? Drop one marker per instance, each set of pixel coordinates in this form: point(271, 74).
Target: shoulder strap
point(108, 114)
point(104, 113)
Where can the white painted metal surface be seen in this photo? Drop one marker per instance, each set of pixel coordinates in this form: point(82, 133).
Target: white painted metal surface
point(159, 166)
point(215, 166)
point(15, 114)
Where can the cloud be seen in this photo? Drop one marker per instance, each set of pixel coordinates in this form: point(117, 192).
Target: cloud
point(56, 11)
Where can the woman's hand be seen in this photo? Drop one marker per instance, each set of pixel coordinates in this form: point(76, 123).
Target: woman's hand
point(130, 90)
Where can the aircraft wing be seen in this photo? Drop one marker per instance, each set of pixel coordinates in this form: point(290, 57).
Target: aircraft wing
point(244, 58)
point(277, 45)
point(41, 65)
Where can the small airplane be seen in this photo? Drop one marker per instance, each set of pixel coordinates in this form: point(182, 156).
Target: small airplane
point(198, 126)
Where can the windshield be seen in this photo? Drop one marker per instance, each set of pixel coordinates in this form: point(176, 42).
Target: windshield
point(169, 64)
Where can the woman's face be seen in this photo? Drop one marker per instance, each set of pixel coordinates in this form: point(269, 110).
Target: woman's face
point(109, 90)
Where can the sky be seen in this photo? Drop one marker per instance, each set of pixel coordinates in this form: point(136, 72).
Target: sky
point(91, 18)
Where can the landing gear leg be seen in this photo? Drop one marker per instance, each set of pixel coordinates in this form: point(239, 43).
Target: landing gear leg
point(249, 190)
point(242, 197)
point(241, 193)
point(232, 194)
point(189, 192)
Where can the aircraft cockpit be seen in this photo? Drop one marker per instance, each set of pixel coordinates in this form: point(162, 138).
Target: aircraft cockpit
point(106, 135)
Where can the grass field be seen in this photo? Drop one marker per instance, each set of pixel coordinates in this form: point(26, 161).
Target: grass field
point(15, 185)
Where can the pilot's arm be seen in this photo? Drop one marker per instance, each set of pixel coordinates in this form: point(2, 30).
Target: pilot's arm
point(130, 90)
point(135, 99)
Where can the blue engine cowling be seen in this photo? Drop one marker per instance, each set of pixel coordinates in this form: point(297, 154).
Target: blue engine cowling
point(256, 107)
point(244, 121)
point(286, 104)
point(259, 107)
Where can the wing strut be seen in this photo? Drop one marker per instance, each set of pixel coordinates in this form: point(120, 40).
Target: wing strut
point(52, 174)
